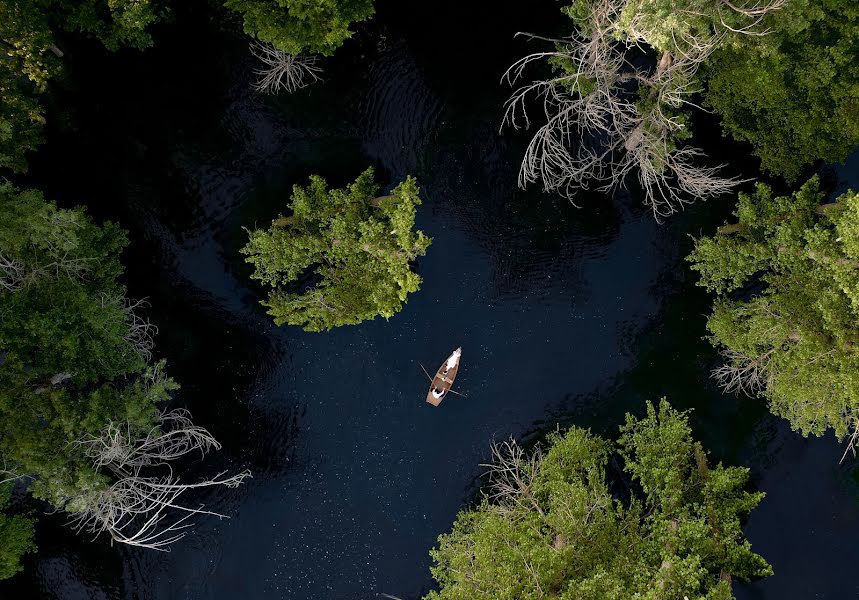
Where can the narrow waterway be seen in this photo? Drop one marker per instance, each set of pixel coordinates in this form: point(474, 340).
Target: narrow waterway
point(565, 316)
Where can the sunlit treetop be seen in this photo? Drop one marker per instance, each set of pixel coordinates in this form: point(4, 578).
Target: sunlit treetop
point(786, 277)
point(567, 524)
point(343, 256)
point(302, 26)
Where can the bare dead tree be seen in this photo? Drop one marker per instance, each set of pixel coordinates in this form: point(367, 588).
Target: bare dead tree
point(141, 508)
point(597, 129)
point(744, 374)
point(511, 474)
point(141, 332)
point(283, 71)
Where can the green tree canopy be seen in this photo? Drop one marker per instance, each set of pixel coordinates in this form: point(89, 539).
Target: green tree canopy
point(298, 26)
point(786, 278)
point(558, 526)
point(793, 94)
point(30, 57)
point(78, 394)
point(16, 535)
point(349, 250)
point(70, 362)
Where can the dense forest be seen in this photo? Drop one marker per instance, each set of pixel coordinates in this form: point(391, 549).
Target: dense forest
point(669, 158)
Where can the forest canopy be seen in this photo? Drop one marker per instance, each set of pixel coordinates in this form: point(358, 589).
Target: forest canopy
point(626, 81)
point(342, 256)
point(793, 94)
point(79, 395)
point(786, 279)
point(573, 524)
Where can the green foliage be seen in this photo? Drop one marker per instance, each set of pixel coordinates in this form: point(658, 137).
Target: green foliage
point(357, 246)
point(69, 360)
point(16, 536)
point(796, 339)
point(297, 26)
point(664, 25)
point(793, 94)
point(563, 534)
point(30, 57)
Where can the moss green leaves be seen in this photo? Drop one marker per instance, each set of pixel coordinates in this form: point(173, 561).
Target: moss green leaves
point(794, 93)
point(16, 536)
point(342, 257)
point(298, 26)
point(554, 526)
point(792, 334)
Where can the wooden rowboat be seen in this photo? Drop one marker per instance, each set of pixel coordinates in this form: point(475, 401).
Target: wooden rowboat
point(444, 377)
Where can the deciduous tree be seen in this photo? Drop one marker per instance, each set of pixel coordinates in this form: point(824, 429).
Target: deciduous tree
point(569, 525)
point(610, 113)
point(75, 372)
point(786, 278)
point(794, 93)
point(29, 56)
point(16, 535)
point(343, 256)
point(302, 26)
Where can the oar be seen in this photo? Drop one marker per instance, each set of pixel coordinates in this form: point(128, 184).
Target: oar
point(449, 390)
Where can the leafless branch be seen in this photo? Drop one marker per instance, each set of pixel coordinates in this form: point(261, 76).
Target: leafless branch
point(512, 473)
point(852, 439)
point(12, 274)
point(143, 509)
point(741, 373)
point(140, 331)
point(283, 71)
point(597, 130)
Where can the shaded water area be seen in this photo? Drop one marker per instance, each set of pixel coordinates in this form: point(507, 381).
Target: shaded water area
point(566, 316)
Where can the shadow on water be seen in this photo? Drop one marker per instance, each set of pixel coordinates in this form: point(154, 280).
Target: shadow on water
point(565, 315)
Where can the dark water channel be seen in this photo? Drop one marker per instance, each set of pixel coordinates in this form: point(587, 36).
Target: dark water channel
point(564, 315)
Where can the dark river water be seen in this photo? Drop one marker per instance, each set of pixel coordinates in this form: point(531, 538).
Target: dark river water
point(566, 316)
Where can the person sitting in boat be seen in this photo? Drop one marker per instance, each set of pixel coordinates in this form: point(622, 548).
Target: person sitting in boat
point(436, 393)
point(452, 360)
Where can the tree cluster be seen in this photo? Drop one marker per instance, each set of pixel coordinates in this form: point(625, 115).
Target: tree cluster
point(342, 256)
point(302, 26)
point(625, 81)
point(79, 395)
point(786, 278)
point(573, 524)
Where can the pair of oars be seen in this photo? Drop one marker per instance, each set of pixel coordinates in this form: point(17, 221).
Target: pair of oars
point(449, 390)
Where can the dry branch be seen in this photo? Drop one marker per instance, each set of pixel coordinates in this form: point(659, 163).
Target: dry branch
point(606, 118)
point(141, 508)
point(283, 71)
point(511, 474)
point(743, 374)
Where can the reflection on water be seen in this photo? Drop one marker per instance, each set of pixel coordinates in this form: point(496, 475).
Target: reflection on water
point(564, 315)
